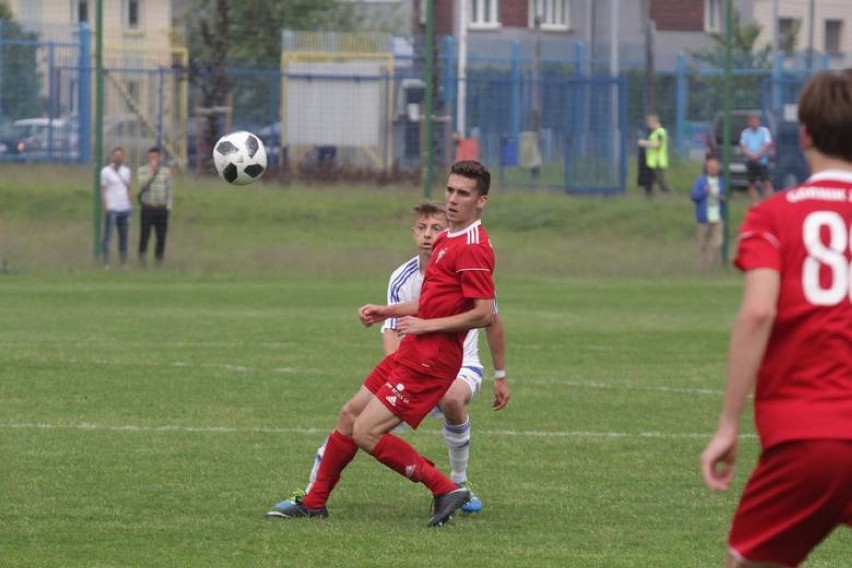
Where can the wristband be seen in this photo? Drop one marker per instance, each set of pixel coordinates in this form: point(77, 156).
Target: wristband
point(500, 374)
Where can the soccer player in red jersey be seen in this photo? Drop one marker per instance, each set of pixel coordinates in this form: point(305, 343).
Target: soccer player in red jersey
point(457, 295)
point(792, 343)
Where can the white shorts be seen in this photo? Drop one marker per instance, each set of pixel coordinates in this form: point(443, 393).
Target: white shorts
point(472, 376)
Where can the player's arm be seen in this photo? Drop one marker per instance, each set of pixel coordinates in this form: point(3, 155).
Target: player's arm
point(748, 344)
point(481, 315)
point(372, 313)
point(496, 345)
point(390, 341)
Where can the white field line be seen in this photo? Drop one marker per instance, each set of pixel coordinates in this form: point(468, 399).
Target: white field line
point(86, 426)
point(622, 386)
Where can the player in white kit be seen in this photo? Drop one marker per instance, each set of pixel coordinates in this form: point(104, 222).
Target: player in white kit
point(404, 286)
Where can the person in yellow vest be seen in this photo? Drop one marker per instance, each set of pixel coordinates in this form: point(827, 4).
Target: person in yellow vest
point(656, 154)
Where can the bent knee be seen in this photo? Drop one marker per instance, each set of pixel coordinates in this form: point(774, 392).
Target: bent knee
point(365, 436)
point(346, 419)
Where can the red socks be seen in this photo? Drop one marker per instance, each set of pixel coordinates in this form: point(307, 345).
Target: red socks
point(395, 453)
point(398, 455)
point(338, 453)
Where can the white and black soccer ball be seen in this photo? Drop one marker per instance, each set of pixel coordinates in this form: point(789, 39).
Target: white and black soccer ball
point(240, 158)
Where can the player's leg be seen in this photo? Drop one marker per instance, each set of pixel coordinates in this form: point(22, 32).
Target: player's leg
point(331, 459)
point(798, 493)
point(371, 432)
point(457, 429)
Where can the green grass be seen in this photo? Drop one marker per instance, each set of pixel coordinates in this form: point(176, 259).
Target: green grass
point(149, 418)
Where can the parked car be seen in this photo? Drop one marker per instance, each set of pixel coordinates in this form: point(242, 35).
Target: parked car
point(8, 140)
point(738, 164)
point(46, 139)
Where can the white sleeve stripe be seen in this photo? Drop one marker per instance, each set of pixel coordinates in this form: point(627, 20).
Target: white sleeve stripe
point(768, 237)
point(400, 281)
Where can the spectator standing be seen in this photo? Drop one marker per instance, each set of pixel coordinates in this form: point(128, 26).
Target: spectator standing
point(116, 205)
point(756, 145)
point(656, 154)
point(708, 193)
point(155, 197)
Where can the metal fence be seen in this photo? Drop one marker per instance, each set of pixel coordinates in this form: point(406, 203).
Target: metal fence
point(353, 106)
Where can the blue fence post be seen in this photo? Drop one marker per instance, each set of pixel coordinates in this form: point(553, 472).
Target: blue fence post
point(51, 96)
point(681, 103)
point(777, 75)
point(581, 101)
point(622, 108)
point(516, 89)
point(450, 79)
point(1, 67)
point(84, 94)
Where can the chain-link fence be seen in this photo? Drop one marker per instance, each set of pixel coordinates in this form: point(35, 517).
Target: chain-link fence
point(352, 106)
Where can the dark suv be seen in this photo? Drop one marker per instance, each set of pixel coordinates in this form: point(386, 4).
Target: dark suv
point(739, 122)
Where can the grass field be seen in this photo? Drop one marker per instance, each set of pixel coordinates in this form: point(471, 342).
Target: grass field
point(150, 417)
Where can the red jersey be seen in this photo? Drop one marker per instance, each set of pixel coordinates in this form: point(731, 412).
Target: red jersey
point(804, 385)
point(459, 271)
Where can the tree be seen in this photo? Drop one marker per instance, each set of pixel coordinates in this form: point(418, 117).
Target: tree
point(745, 53)
point(19, 79)
point(248, 34)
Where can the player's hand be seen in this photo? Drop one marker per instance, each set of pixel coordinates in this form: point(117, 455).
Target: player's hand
point(718, 459)
point(501, 394)
point(370, 314)
point(411, 325)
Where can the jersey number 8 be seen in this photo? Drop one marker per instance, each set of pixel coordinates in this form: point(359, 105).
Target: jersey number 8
point(832, 256)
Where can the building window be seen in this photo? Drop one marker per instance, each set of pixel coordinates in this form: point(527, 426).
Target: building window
point(552, 14)
point(131, 13)
point(713, 15)
point(484, 13)
point(833, 33)
point(80, 11)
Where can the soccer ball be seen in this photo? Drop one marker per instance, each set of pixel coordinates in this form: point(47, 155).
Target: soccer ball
point(240, 158)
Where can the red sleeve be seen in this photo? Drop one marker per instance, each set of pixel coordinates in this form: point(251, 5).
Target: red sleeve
point(759, 245)
point(476, 268)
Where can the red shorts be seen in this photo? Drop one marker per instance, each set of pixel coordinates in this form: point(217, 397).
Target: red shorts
point(798, 493)
point(405, 392)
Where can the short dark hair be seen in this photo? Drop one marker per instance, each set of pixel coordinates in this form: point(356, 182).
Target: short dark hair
point(154, 150)
point(428, 209)
point(825, 110)
point(116, 149)
point(472, 169)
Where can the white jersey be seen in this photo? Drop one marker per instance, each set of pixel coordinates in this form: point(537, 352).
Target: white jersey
point(115, 184)
point(404, 286)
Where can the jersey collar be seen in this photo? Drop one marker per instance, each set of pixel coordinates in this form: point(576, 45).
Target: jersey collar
point(844, 176)
point(473, 225)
